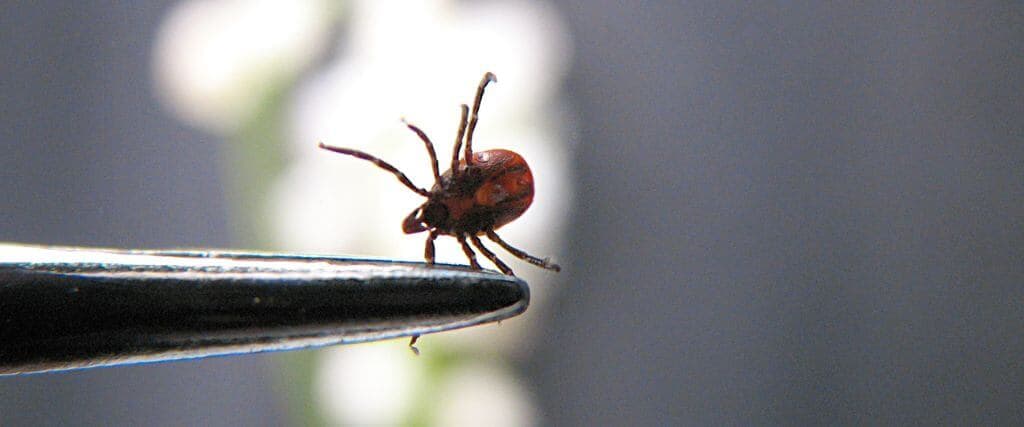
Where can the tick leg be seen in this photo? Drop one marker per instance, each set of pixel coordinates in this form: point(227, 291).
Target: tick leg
point(412, 345)
point(428, 252)
point(458, 140)
point(488, 77)
point(430, 148)
point(469, 252)
point(380, 163)
point(542, 263)
point(491, 256)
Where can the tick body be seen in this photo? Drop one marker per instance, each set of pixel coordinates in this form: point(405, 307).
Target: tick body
point(478, 194)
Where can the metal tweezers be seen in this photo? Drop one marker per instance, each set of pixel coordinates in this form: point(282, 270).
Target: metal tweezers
point(71, 308)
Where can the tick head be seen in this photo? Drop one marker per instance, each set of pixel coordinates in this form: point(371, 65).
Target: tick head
point(431, 214)
point(435, 213)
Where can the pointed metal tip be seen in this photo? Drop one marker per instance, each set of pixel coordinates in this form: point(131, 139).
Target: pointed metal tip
point(73, 308)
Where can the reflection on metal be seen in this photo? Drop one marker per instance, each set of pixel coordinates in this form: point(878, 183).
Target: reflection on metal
point(69, 308)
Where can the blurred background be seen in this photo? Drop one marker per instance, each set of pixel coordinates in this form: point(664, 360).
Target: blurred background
point(768, 213)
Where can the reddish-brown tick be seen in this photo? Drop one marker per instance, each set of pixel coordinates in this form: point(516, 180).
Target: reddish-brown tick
point(476, 196)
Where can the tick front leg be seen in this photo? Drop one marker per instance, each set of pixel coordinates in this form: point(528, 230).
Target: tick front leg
point(380, 163)
point(428, 252)
point(458, 140)
point(488, 77)
point(430, 148)
point(491, 256)
point(469, 252)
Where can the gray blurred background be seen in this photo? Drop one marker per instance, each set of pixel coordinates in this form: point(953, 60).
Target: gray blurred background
point(787, 213)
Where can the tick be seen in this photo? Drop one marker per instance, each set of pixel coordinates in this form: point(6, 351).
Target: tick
point(478, 194)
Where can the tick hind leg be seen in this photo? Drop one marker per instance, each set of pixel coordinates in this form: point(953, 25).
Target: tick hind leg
point(469, 252)
point(542, 263)
point(491, 256)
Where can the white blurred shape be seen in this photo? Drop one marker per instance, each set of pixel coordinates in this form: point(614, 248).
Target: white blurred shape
point(309, 208)
point(480, 394)
point(369, 384)
point(214, 59)
point(420, 60)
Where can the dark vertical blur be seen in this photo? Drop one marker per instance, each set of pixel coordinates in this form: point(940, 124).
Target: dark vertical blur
point(88, 157)
point(796, 213)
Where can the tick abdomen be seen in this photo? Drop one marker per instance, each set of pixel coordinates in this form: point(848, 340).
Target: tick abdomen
point(493, 191)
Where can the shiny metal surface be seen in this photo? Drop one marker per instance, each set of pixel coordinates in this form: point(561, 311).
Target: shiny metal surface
point(69, 308)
